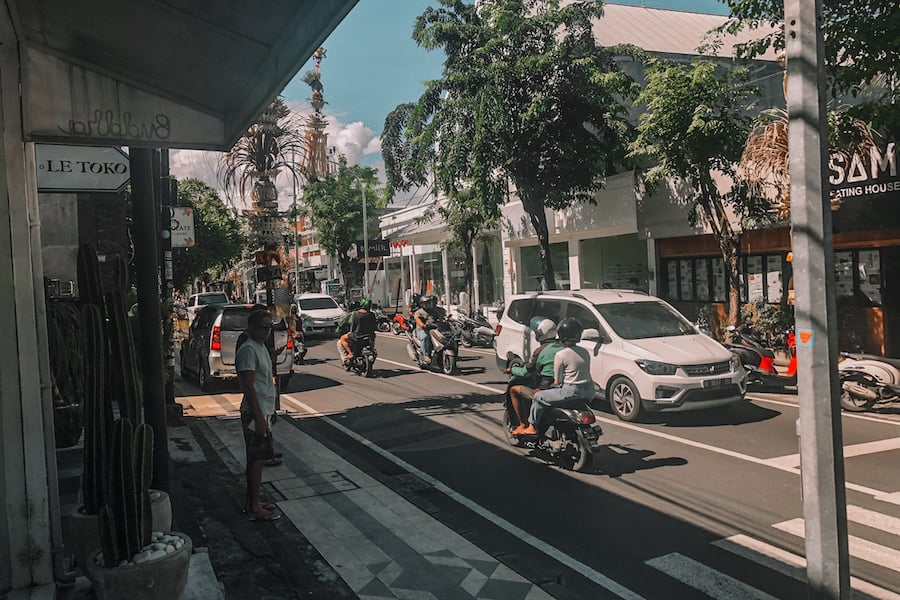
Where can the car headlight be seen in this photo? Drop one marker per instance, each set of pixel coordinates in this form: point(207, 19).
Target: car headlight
point(651, 367)
point(736, 364)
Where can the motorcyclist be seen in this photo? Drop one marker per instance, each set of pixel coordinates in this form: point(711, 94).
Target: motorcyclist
point(540, 364)
point(425, 322)
point(362, 325)
point(571, 371)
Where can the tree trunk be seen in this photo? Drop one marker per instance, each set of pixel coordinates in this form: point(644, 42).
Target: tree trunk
point(533, 204)
point(467, 251)
point(729, 242)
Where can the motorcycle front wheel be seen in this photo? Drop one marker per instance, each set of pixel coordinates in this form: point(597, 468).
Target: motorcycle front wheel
point(384, 327)
point(853, 403)
point(448, 363)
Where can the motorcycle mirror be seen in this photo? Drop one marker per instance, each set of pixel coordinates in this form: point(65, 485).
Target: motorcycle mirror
point(731, 328)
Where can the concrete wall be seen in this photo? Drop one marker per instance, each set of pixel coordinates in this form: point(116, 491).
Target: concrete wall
point(59, 235)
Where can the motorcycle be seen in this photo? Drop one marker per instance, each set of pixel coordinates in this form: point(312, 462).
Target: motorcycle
point(383, 322)
point(364, 355)
point(867, 380)
point(568, 433)
point(473, 331)
point(444, 347)
point(400, 324)
point(759, 361)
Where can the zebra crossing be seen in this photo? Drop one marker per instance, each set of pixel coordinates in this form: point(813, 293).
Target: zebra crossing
point(713, 583)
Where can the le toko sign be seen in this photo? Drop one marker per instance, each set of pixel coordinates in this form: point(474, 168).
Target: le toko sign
point(80, 168)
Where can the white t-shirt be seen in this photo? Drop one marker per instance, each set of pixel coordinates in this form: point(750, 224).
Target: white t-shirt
point(253, 356)
point(572, 365)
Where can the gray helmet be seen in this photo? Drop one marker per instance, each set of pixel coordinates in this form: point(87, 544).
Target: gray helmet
point(544, 329)
point(569, 331)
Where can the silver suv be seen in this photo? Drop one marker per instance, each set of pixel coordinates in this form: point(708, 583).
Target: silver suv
point(208, 352)
point(649, 357)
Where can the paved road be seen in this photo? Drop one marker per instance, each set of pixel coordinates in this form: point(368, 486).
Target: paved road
point(685, 506)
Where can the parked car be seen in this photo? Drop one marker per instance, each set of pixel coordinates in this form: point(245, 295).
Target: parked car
point(208, 352)
point(318, 313)
point(648, 358)
point(198, 301)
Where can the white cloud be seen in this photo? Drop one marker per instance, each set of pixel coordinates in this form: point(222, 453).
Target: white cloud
point(353, 140)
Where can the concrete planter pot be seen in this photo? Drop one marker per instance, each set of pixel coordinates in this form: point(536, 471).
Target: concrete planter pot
point(161, 579)
point(86, 528)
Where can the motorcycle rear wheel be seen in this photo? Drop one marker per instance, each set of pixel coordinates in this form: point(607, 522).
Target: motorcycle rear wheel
point(585, 456)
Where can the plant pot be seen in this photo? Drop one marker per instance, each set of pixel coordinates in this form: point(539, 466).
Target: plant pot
point(86, 528)
point(160, 579)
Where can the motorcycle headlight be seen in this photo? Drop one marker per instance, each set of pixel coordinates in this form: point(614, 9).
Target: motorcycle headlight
point(651, 367)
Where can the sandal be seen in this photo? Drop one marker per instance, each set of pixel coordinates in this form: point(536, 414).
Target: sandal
point(264, 516)
point(265, 506)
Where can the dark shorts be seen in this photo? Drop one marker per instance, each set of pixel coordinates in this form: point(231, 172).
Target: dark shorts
point(259, 447)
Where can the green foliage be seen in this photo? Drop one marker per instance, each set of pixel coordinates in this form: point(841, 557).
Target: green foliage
point(862, 56)
point(525, 95)
point(217, 230)
point(335, 204)
point(769, 323)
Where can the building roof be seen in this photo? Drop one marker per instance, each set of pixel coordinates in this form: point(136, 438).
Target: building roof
point(665, 31)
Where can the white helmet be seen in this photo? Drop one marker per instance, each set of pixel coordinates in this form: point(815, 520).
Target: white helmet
point(544, 329)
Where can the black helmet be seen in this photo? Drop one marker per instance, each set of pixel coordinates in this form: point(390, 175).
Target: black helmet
point(569, 331)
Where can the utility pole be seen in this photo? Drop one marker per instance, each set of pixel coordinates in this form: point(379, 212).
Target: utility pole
point(362, 189)
point(294, 219)
point(819, 426)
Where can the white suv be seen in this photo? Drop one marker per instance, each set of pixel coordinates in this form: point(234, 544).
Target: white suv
point(648, 358)
point(319, 313)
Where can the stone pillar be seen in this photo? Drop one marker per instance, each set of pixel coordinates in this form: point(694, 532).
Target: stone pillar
point(27, 460)
point(575, 282)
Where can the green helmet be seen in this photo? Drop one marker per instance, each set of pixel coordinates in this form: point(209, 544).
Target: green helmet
point(365, 303)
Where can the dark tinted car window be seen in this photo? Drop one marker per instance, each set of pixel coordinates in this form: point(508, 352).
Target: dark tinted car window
point(235, 319)
point(640, 320)
point(518, 311)
point(317, 303)
point(583, 316)
point(205, 318)
point(549, 309)
point(212, 299)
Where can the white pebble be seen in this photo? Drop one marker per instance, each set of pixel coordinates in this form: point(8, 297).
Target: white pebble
point(179, 543)
point(157, 554)
point(169, 549)
point(156, 535)
point(141, 557)
point(157, 546)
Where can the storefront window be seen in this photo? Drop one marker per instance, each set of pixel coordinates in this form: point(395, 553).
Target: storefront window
point(686, 279)
point(843, 274)
point(618, 262)
point(701, 273)
point(869, 269)
point(774, 284)
point(719, 289)
point(755, 278)
point(533, 273)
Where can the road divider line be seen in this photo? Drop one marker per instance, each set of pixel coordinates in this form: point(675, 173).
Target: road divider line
point(793, 460)
point(538, 544)
point(848, 415)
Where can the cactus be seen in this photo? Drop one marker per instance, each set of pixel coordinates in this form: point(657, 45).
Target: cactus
point(90, 286)
point(127, 381)
point(125, 523)
point(97, 410)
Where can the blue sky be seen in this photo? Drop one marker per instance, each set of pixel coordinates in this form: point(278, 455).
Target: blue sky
point(372, 65)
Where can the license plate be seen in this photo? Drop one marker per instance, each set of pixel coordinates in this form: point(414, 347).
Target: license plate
point(715, 383)
point(592, 434)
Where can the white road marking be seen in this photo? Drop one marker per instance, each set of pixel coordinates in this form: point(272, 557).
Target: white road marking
point(873, 519)
point(847, 415)
point(859, 548)
point(551, 551)
point(711, 582)
point(790, 564)
point(793, 460)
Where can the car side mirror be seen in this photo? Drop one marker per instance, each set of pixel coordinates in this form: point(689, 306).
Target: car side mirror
point(591, 335)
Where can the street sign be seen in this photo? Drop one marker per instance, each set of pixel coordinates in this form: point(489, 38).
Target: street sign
point(376, 248)
point(80, 168)
point(267, 274)
point(181, 226)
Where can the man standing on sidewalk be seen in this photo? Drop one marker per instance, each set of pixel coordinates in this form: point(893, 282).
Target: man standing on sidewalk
point(254, 366)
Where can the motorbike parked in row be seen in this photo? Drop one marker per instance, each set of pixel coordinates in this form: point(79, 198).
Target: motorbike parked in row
point(474, 330)
point(401, 324)
point(383, 322)
point(299, 347)
point(867, 380)
point(568, 433)
point(759, 361)
point(364, 355)
point(444, 347)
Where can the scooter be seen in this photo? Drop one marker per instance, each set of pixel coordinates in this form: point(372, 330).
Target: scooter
point(568, 432)
point(364, 355)
point(759, 361)
point(400, 324)
point(473, 331)
point(867, 380)
point(444, 347)
point(383, 322)
point(299, 347)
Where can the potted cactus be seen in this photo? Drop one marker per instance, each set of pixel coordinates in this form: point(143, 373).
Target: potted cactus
point(110, 369)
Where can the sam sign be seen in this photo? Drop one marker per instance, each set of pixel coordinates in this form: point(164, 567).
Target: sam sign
point(80, 168)
point(181, 226)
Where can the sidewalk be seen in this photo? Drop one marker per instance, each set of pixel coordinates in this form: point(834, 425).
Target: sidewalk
point(343, 534)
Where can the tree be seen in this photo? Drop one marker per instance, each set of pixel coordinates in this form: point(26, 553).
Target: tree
point(525, 95)
point(336, 207)
point(218, 234)
point(862, 56)
point(694, 127)
point(466, 219)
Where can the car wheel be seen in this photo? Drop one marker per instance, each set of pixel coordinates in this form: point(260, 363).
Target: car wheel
point(625, 399)
point(204, 381)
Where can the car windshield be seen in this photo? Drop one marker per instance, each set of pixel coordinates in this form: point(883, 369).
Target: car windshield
point(212, 299)
point(640, 320)
point(317, 303)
